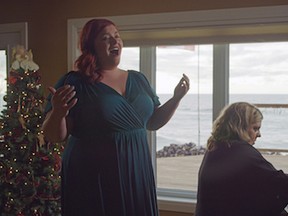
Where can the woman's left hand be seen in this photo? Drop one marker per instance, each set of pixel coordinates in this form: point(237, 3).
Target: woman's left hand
point(163, 114)
point(182, 88)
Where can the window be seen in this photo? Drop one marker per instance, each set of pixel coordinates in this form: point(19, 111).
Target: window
point(259, 75)
point(191, 124)
point(3, 77)
point(186, 133)
point(131, 58)
point(212, 34)
point(11, 34)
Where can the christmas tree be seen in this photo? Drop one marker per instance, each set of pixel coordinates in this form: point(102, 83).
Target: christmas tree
point(29, 166)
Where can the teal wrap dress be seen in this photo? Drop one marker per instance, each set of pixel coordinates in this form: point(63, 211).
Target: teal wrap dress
point(106, 165)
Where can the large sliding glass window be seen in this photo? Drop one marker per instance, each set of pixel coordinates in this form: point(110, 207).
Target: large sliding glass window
point(256, 76)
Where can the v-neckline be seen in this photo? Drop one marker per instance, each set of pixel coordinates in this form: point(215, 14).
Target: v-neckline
point(126, 86)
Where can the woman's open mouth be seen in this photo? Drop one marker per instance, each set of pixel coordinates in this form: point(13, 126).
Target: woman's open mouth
point(114, 51)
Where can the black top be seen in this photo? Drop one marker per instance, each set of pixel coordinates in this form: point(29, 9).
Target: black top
point(239, 181)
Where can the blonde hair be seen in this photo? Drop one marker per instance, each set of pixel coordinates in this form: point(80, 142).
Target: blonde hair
point(233, 122)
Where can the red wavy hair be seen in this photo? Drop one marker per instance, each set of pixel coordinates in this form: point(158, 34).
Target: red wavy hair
point(87, 61)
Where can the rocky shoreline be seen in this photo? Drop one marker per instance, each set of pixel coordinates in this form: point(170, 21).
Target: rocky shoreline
point(176, 150)
point(189, 149)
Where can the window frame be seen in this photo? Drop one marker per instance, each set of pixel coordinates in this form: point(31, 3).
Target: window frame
point(12, 34)
point(217, 27)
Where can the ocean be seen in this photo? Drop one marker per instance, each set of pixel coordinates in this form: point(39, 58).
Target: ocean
point(192, 123)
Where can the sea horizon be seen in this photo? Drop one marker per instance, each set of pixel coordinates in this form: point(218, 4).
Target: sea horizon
point(192, 122)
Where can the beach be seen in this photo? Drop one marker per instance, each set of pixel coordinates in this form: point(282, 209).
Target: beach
point(182, 172)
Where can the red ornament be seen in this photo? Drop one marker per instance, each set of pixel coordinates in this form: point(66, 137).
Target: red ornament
point(45, 158)
point(12, 80)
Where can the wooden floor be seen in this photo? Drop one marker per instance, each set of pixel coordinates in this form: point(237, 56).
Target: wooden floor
point(182, 172)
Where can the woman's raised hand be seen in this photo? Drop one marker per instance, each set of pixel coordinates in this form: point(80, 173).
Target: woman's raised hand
point(62, 100)
point(182, 88)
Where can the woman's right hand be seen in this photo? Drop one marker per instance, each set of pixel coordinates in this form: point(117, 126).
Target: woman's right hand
point(62, 100)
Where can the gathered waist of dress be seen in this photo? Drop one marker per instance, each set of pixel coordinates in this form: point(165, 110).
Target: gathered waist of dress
point(130, 131)
point(106, 134)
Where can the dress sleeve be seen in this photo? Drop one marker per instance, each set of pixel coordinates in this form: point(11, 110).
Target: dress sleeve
point(149, 89)
point(69, 78)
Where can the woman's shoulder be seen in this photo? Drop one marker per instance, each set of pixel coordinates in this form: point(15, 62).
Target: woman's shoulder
point(248, 151)
point(70, 78)
point(241, 145)
point(73, 77)
point(138, 75)
point(236, 147)
point(135, 73)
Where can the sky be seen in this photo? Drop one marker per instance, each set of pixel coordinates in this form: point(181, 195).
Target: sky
point(258, 68)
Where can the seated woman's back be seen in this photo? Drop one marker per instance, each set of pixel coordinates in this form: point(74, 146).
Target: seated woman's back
point(234, 178)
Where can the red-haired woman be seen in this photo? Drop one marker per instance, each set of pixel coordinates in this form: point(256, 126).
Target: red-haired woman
point(104, 112)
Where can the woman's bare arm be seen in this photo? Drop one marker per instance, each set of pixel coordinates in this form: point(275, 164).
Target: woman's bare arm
point(164, 113)
point(57, 125)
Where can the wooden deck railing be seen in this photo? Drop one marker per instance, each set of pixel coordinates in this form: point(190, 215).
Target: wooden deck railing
point(272, 105)
point(276, 151)
point(265, 150)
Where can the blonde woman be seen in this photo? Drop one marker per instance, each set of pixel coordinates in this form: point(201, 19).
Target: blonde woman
point(234, 178)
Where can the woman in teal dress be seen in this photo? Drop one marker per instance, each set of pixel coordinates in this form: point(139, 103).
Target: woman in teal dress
point(104, 113)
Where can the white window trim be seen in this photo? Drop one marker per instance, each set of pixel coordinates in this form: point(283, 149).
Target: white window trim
point(217, 20)
point(19, 28)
